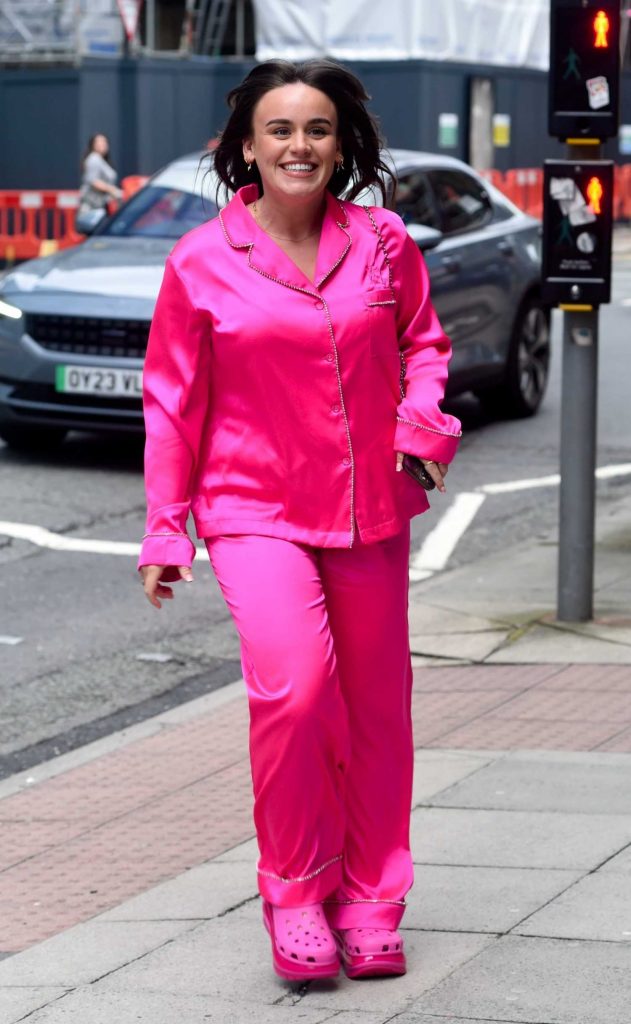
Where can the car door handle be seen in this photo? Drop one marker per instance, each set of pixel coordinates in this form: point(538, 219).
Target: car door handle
point(451, 264)
point(506, 248)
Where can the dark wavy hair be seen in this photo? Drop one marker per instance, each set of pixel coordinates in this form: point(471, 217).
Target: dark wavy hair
point(362, 165)
point(90, 149)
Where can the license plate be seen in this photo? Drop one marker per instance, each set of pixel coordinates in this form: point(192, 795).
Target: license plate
point(86, 380)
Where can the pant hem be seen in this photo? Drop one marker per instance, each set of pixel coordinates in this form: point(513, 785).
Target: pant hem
point(312, 887)
point(364, 913)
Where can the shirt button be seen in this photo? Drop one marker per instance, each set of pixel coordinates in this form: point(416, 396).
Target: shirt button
point(329, 357)
point(319, 305)
point(335, 409)
point(346, 461)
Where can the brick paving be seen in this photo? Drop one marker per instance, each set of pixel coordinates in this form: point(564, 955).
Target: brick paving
point(84, 841)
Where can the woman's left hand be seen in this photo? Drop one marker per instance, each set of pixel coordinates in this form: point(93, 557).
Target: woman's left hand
point(437, 470)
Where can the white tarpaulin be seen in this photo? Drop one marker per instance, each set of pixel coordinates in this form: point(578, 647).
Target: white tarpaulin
point(509, 32)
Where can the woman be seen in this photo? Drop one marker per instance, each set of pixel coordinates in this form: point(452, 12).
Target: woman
point(278, 409)
point(98, 182)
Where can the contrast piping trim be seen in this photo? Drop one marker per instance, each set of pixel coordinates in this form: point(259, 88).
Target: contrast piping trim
point(386, 257)
point(234, 245)
point(382, 245)
point(303, 878)
point(432, 430)
point(165, 533)
point(316, 295)
point(396, 903)
point(343, 223)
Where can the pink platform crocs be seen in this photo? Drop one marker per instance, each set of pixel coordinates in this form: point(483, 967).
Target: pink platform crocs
point(367, 952)
point(303, 947)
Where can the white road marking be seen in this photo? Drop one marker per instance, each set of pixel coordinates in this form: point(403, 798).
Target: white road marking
point(609, 472)
point(44, 538)
point(11, 641)
point(625, 302)
point(441, 541)
point(510, 486)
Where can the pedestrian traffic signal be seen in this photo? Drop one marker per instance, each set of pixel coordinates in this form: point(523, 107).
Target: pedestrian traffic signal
point(584, 68)
point(601, 28)
point(577, 231)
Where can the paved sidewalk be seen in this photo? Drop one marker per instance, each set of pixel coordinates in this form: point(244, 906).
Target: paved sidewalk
point(127, 869)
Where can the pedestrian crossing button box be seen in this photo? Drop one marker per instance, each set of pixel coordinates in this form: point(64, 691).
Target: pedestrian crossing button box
point(577, 232)
point(583, 84)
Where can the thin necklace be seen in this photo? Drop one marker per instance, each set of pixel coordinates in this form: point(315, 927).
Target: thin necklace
point(282, 238)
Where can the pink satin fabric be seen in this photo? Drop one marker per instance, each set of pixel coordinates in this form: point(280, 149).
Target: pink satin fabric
point(326, 661)
point(272, 404)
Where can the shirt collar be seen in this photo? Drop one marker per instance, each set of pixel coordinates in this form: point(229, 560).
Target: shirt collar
point(264, 255)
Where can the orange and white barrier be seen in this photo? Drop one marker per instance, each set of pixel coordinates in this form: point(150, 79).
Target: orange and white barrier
point(36, 223)
point(132, 183)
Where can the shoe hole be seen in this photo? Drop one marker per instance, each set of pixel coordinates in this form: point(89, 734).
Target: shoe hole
point(310, 959)
point(385, 949)
point(294, 956)
point(282, 949)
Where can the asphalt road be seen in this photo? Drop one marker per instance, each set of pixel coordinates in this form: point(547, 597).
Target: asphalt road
point(86, 661)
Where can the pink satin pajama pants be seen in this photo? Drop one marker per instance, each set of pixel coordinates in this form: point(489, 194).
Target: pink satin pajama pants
point(326, 660)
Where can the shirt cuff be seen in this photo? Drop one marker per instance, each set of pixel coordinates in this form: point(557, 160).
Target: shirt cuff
point(424, 441)
point(171, 551)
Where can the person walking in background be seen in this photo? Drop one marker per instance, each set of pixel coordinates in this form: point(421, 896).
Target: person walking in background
point(98, 176)
point(294, 357)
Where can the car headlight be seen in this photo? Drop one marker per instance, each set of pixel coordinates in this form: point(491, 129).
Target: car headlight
point(7, 309)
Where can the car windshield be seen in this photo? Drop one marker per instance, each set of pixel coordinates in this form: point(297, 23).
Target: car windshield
point(160, 212)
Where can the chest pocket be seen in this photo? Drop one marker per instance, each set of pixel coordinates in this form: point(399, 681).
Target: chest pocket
point(382, 324)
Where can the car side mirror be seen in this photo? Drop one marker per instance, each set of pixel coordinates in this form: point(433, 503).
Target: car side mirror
point(426, 238)
point(87, 221)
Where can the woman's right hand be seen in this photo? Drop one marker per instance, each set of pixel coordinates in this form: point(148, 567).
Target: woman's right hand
point(154, 590)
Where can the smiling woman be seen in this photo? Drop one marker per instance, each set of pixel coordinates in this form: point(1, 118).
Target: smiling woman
point(294, 357)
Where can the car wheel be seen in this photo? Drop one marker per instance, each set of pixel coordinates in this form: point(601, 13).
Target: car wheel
point(526, 377)
point(32, 440)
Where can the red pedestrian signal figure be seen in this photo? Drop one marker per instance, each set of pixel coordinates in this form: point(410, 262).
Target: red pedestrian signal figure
point(601, 28)
point(595, 194)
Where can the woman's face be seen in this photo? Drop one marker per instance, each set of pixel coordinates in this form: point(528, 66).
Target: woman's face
point(100, 145)
point(294, 142)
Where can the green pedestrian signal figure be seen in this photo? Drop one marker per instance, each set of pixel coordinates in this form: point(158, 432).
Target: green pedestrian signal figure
point(572, 61)
point(565, 233)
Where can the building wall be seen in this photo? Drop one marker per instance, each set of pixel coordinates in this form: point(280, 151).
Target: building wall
point(156, 109)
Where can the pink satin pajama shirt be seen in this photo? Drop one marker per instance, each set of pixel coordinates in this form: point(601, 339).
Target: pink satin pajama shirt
point(273, 405)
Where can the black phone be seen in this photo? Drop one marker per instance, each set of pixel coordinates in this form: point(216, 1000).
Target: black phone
point(417, 471)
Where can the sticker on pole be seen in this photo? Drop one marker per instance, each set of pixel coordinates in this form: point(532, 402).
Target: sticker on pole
point(598, 92)
point(129, 11)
